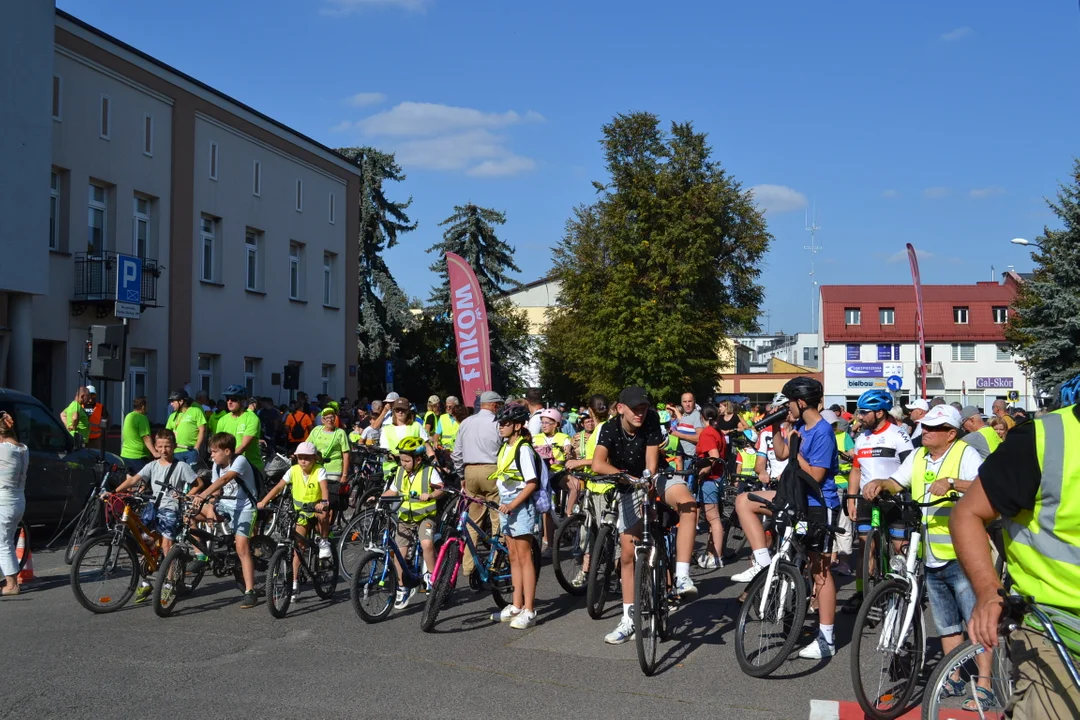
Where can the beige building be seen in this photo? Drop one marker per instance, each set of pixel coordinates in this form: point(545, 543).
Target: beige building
point(245, 228)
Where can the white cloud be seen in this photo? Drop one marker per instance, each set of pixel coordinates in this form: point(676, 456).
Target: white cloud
point(480, 153)
point(511, 165)
point(343, 126)
point(346, 7)
point(413, 118)
point(890, 194)
point(982, 193)
point(958, 34)
point(366, 98)
point(936, 193)
point(902, 256)
point(778, 198)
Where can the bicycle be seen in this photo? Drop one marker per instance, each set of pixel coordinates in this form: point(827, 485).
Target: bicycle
point(323, 572)
point(91, 517)
point(376, 578)
point(492, 566)
point(960, 665)
point(367, 484)
point(574, 537)
point(878, 552)
point(890, 635)
point(777, 599)
point(105, 571)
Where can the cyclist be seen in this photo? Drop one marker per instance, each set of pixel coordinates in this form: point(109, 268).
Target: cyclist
point(556, 447)
point(979, 435)
point(630, 443)
point(243, 425)
point(448, 424)
point(517, 477)
point(189, 424)
point(333, 446)
point(307, 481)
point(1033, 482)
point(713, 444)
point(818, 458)
point(593, 420)
point(767, 467)
point(420, 486)
point(880, 448)
point(941, 466)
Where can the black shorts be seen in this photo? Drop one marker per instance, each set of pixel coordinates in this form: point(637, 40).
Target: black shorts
point(820, 539)
point(891, 518)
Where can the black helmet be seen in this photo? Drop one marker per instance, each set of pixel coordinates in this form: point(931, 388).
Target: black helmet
point(514, 413)
point(804, 388)
point(178, 395)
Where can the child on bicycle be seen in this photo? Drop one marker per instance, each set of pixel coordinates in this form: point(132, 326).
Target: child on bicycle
point(712, 444)
point(517, 478)
point(309, 485)
point(420, 486)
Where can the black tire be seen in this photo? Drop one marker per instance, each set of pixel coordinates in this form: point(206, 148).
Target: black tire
point(90, 519)
point(734, 537)
point(962, 661)
point(374, 586)
point(569, 546)
point(357, 537)
point(646, 615)
point(872, 549)
point(442, 587)
point(170, 580)
point(502, 586)
point(104, 575)
point(785, 634)
point(601, 568)
point(324, 571)
point(279, 581)
point(885, 682)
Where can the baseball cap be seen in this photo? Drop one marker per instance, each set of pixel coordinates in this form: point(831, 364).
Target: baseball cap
point(919, 405)
point(829, 416)
point(969, 411)
point(91, 389)
point(391, 397)
point(941, 415)
point(490, 396)
point(401, 403)
point(306, 448)
point(634, 396)
point(433, 399)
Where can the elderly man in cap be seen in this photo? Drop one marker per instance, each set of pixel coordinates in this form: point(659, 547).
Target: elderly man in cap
point(979, 435)
point(387, 404)
point(476, 451)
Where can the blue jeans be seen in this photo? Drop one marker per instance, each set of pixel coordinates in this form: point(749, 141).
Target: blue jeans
point(188, 456)
point(952, 599)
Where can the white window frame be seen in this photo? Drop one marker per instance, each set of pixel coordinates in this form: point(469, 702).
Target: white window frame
point(327, 378)
point(299, 195)
point(961, 315)
point(206, 374)
point(852, 314)
point(103, 207)
point(208, 239)
point(251, 368)
point(138, 218)
point(332, 209)
point(137, 371)
point(328, 278)
point(105, 118)
point(251, 260)
point(214, 161)
point(54, 211)
point(1004, 314)
point(1002, 353)
point(256, 179)
point(887, 315)
point(57, 98)
point(958, 352)
point(148, 135)
point(295, 271)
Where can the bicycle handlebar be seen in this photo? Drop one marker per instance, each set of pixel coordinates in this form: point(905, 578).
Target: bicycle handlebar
point(896, 500)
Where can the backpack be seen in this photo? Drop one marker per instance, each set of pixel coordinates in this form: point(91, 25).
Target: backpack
point(297, 432)
point(795, 484)
point(543, 495)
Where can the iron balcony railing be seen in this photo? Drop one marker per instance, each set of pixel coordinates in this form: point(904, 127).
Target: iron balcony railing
point(95, 278)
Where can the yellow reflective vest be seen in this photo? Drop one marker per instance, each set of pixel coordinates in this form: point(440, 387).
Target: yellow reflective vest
point(448, 428)
point(937, 517)
point(395, 434)
point(412, 508)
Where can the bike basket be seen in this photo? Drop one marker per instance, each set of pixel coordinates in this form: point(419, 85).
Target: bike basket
point(277, 467)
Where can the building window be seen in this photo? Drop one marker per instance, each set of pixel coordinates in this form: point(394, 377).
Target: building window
point(810, 356)
point(295, 251)
point(56, 97)
point(1001, 315)
point(54, 211)
point(138, 371)
point(960, 315)
point(99, 210)
point(887, 316)
point(327, 379)
point(208, 234)
point(328, 263)
point(252, 240)
point(331, 208)
point(852, 316)
point(106, 117)
point(299, 195)
point(963, 352)
point(148, 135)
point(1004, 353)
point(929, 354)
point(213, 160)
point(140, 242)
point(207, 371)
point(251, 368)
point(256, 179)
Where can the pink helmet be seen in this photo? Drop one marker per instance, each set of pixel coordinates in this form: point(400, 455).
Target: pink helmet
point(552, 414)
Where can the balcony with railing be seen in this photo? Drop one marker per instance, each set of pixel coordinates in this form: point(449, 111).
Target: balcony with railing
point(95, 282)
point(934, 369)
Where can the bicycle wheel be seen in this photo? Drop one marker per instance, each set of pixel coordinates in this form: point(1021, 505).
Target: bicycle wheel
point(601, 570)
point(660, 582)
point(442, 586)
point(502, 585)
point(279, 581)
point(646, 615)
point(104, 573)
point(324, 571)
point(356, 538)
point(885, 667)
point(872, 572)
point(734, 538)
point(89, 521)
point(961, 665)
point(765, 637)
point(374, 584)
point(170, 580)
point(568, 554)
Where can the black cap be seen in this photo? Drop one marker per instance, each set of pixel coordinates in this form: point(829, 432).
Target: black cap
point(633, 396)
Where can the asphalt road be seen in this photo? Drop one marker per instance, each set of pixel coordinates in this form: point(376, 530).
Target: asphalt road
point(211, 659)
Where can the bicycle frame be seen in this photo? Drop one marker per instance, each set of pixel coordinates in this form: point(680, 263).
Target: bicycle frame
point(464, 539)
point(910, 575)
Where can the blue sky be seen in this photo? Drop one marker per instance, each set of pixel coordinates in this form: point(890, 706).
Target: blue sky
point(944, 124)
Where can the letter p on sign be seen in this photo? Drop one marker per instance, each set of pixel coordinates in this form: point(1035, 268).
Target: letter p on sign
point(129, 279)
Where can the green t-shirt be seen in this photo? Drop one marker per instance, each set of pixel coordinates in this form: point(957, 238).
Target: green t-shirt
point(330, 445)
point(82, 425)
point(186, 424)
point(136, 427)
point(240, 427)
point(214, 419)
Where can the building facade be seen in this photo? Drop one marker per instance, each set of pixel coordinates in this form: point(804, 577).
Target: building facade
point(245, 229)
point(869, 335)
point(799, 349)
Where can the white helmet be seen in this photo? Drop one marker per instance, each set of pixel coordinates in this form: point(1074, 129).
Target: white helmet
point(779, 399)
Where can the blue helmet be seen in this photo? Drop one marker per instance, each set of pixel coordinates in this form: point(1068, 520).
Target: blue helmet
point(1069, 392)
point(875, 400)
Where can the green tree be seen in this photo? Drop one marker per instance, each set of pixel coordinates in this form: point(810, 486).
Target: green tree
point(470, 233)
point(658, 271)
point(383, 307)
point(1044, 327)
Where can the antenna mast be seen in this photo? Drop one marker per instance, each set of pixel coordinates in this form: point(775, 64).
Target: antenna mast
point(812, 227)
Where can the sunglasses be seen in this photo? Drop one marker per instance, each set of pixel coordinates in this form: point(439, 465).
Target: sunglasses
point(399, 410)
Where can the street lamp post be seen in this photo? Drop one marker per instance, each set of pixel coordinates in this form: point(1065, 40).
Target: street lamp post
point(1025, 243)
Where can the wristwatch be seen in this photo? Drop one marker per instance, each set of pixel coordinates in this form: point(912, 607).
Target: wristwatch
point(952, 482)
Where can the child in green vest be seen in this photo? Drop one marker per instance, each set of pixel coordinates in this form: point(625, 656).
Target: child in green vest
point(420, 486)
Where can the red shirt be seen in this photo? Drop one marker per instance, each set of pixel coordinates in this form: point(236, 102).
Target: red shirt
point(711, 439)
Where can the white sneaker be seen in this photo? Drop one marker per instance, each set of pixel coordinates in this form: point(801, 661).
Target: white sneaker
point(622, 633)
point(427, 582)
point(403, 597)
point(685, 588)
point(579, 579)
point(507, 614)
point(818, 649)
point(748, 574)
point(324, 549)
point(524, 620)
point(295, 595)
point(708, 561)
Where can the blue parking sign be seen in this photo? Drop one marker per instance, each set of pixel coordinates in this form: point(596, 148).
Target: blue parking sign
point(129, 279)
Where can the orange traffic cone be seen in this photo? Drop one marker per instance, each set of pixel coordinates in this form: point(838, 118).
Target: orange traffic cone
point(27, 573)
